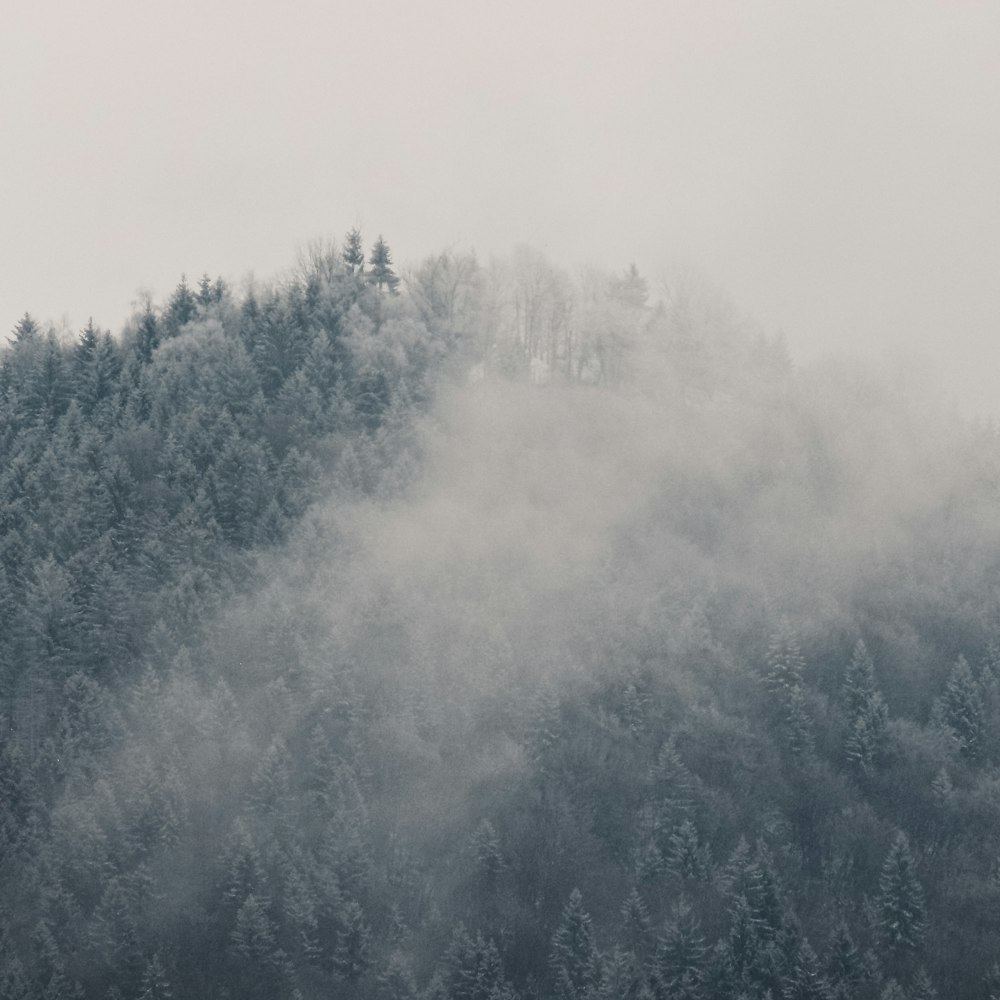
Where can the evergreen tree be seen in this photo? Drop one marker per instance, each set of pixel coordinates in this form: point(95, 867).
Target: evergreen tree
point(155, 985)
point(573, 958)
point(902, 912)
point(25, 330)
point(685, 855)
point(353, 253)
point(963, 709)
point(867, 713)
point(381, 274)
point(352, 954)
point(681, 955)
point(806, 981)
point(784, 667)
point(844, 968)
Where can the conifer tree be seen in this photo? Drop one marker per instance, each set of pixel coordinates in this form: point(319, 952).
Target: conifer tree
point(353, 253)
point(636, 928)
point(902, 912)
point(685, 855)
point(155, 985)
point(963, 709)
point(352, 954)
point(843, 964)
point(806, 981)
point(573, 958)
point(25, 330)
point(867, 713)
point(381, 274)
point(681, 954)
point(784, 667)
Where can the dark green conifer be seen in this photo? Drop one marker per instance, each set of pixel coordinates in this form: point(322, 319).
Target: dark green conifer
point(902, 912)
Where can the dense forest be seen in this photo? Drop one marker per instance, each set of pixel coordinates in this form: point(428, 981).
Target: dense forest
point(486, 632)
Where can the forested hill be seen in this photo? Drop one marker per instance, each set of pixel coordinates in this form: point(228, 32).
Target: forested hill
point(487, 633)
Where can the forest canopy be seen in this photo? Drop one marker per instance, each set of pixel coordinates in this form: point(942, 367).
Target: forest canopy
point(479, 631)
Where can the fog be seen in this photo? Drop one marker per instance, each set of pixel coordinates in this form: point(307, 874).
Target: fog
point(831, 165)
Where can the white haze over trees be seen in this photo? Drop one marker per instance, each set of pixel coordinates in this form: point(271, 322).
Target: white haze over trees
point(500, 633)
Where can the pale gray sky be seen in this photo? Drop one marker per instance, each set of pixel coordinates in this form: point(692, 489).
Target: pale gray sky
point(834, 165)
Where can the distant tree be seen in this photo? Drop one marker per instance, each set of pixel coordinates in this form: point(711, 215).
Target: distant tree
point(352, 953)
point(784, 667)
point(25, 330)
point(381, 274)
point(681, 955)
point(573, 958)
point(155, 985)
point(806, 980)
point(962, 707)
point(353, 252)
point(148, 334)
point(844, 968)
point(637, 934)
point(902, 911)
point(182, 307)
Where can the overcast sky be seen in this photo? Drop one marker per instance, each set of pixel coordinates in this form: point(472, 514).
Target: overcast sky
point(835, 166)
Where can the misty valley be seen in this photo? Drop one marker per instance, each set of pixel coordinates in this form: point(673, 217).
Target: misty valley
point(489, 632)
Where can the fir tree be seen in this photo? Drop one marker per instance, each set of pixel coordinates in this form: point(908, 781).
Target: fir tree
point(353, 253)
point(381, 274)
point(681, 954)
point(902, 913)
point(963, 709)
point(573, 958)
point(843, 964)
point(806, 981)
point(155, 985)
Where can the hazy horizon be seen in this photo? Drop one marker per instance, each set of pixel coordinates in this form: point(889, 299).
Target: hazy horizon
point(831, 167)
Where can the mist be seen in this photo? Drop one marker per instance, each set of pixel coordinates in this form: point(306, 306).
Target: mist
point(399, 632)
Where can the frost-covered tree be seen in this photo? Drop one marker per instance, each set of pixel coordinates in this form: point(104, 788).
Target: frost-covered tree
point(902, 910)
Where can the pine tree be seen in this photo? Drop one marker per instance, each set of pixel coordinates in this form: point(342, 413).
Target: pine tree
point(353, 253)
point(902, 912)
point(381, 274)
point(685, 855)
point(636, 933)
point(681, 954)
point(573, 958)
point(784, 667)
point(352, 954)
point(806, 981)
point(866, 710)
point(963, 709)
point(155, 985)
point(843, 964)
point(25, 330)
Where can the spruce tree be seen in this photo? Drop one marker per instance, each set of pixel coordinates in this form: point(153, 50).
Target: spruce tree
point(573, 958)
point(681, 954)
point(963, 709)
point(902, 912)
point(353, 253)
point(381, 274)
